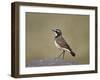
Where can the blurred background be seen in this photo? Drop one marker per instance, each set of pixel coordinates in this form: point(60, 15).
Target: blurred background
point(40, 38)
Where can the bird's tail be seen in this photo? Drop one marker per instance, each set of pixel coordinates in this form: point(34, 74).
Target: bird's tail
point(72, 53)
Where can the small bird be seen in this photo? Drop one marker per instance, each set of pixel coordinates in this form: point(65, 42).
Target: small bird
point(61, 43)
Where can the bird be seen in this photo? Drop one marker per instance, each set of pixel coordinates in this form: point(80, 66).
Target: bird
point(61, 43)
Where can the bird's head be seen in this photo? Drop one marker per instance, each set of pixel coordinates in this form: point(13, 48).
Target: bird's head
point(57, 32)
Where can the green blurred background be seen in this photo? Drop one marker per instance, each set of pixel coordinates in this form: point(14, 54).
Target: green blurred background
point(40, 38)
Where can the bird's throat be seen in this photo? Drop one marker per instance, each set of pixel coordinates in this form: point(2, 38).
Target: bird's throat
point(57, 35)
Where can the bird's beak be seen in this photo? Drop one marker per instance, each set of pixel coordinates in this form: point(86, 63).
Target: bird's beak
point(53, 30)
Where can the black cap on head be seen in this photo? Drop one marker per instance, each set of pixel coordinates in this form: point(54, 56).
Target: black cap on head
point(57, 31)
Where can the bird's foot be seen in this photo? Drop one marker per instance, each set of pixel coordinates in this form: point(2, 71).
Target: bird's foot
point(58, 58)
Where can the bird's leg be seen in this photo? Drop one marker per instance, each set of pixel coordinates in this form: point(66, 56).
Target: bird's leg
point(63, 54)
point(60, 54)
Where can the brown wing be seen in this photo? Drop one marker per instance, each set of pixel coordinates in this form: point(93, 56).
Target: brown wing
point(60, 40)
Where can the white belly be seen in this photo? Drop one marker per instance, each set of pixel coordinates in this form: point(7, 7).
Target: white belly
point(57, 45)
